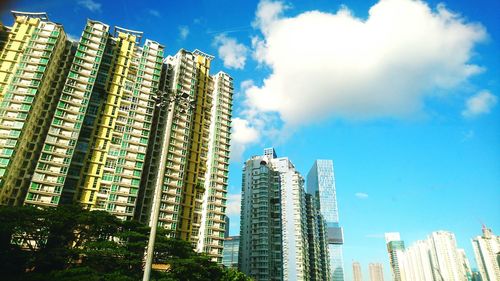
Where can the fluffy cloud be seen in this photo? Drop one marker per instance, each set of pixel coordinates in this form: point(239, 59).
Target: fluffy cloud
point(325, 64)
point(242, 135)
point(232, 53)
point(233, 205)
point(361, 195)
point(480, 103)
point(91, 5)
point(183, 32)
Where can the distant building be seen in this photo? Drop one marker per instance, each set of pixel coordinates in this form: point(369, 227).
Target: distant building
point(416, 262)
point(230, 253)
point(447, 263)
point(376, 272)
point(394, 247)
point(321, 184)
point(436, 258)
point(487, 253)
point(356, 271)
point(226, 232)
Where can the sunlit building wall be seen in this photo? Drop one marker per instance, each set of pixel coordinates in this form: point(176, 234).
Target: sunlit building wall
point(33, 63)
point(376, 272)
point(213, 219)
point(356, 271)
point(487, 253)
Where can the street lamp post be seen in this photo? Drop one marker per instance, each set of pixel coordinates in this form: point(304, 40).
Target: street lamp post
point(184, 101)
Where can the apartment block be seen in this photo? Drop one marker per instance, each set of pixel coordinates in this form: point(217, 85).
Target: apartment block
point(32, 68)
point(487, 252)
point(213, 220)
point(261, 239)
point(433, 259)
point(108, 122)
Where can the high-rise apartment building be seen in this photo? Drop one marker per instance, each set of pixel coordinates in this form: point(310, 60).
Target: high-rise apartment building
point(316, 236)
point(356, 272)
point(189, 154)
point(446, 262)
point(260, 252)
point(376, 272)
point(107, 122)
point(416, 262)
point(487, 253)
point(32, 68)
point(213, 220)
point(283, 233)
point(321, 184)
point(435, 259)
point(294, 221)
point(231, 251)
point(395, 246)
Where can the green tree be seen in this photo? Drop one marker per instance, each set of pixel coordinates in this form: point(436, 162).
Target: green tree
point(68, 244)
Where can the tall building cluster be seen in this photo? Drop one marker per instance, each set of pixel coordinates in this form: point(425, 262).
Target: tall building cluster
point(487, 252)
point(436, 258)
point(109, 122)
point(284, 233)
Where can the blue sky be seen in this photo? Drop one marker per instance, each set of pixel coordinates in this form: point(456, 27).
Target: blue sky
point(403, 98)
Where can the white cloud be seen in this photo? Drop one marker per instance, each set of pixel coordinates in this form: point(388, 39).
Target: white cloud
point(232, 53)
point(72, 37)
point(325, 64)
point(233, 205)
point(361, 195)
point(242, 135)
point(480, 103)
point(154, 13)
point(91, 5)
point(183, 31)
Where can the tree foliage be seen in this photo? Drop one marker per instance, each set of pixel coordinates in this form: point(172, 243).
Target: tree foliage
point(69, 244)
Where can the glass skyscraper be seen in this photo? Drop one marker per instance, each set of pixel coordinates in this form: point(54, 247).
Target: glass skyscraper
point(321, 184)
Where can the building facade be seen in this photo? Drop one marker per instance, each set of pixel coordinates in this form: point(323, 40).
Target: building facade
point(436, 258)
point(376, 272)
point(395, 246)
point(356, 272)
point(316, 237)
point(321, 184)
point(213, 227)
point(260, 251)
point(231, 251)
point(32, 66)
point(487, 253)
point(108, 122)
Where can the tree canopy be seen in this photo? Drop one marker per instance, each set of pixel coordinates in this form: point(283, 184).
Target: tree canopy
point(68, 243)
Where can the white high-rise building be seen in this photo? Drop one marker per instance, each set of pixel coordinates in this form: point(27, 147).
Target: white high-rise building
point(435, 259)
point(444, 256)
point(487, 253)
point(416, 263)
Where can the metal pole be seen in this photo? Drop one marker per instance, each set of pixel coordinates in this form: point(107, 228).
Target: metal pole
point(158, 191)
